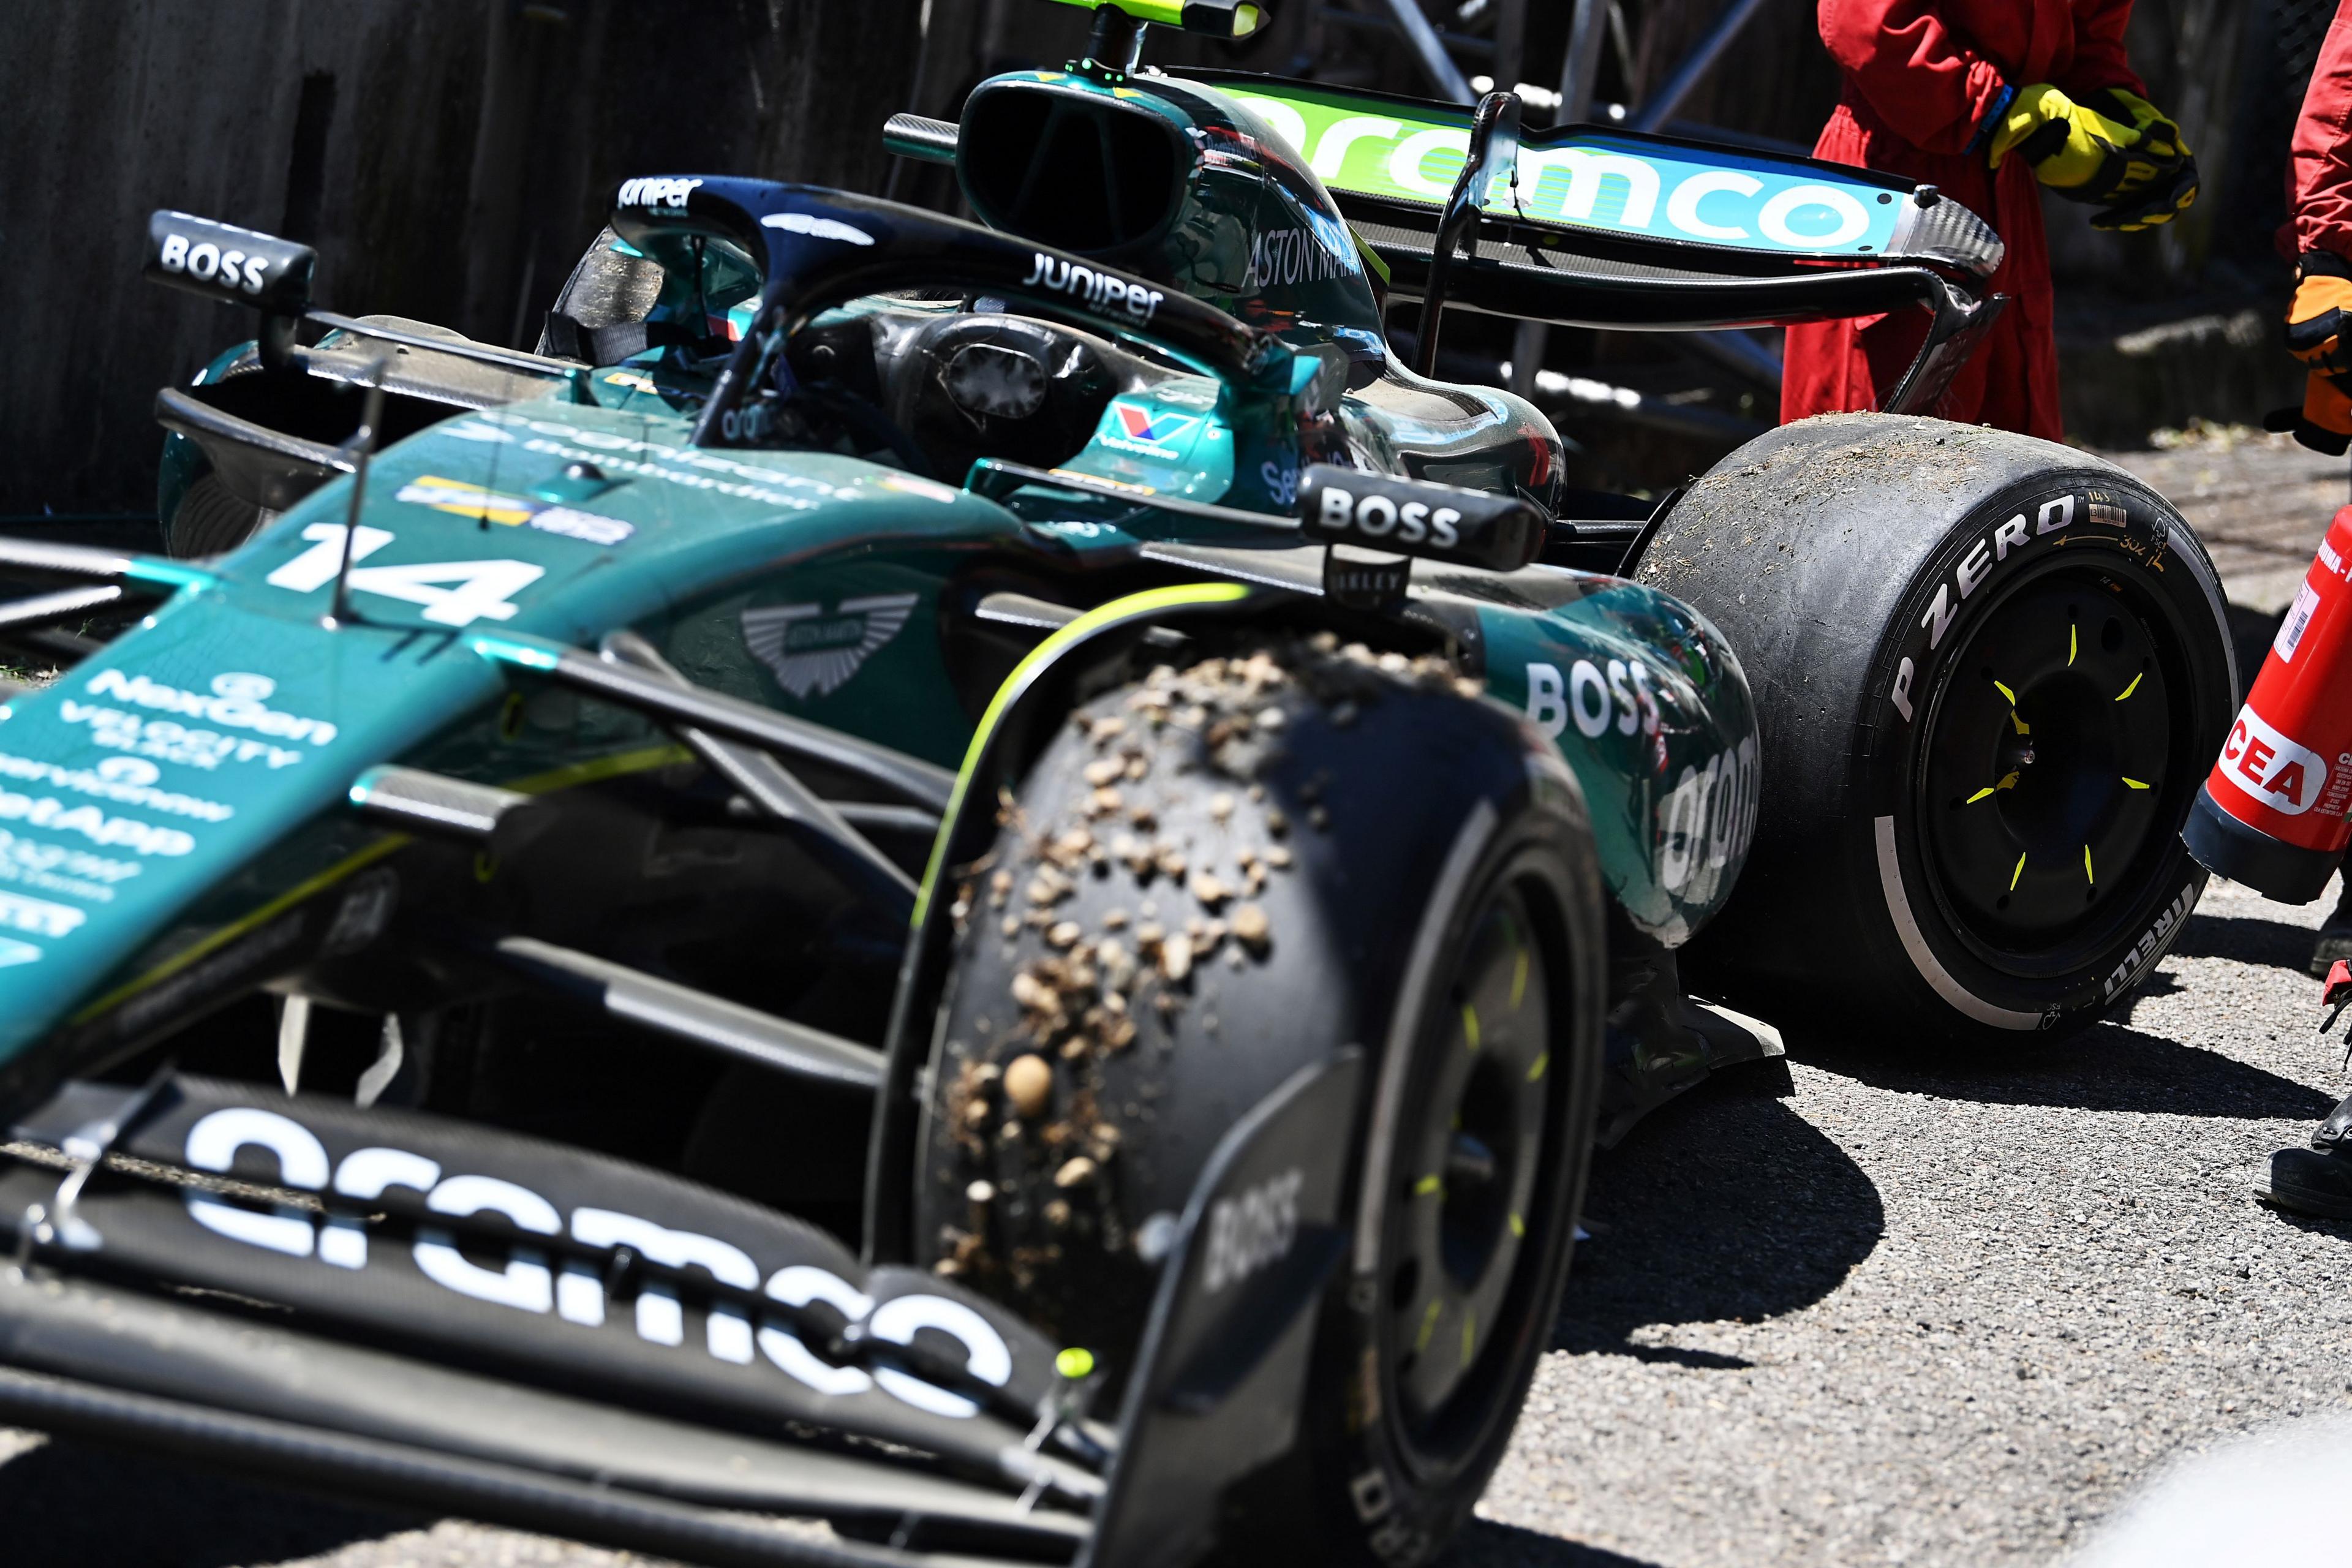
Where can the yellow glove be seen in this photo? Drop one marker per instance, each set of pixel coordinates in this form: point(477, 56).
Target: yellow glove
point(2313, 322)
point(2089, 151)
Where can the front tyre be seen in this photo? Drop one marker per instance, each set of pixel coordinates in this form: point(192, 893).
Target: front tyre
point(1991, 673)
point(1213, 877)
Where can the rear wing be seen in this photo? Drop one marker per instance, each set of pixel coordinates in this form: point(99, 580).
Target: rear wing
point(1588, 226)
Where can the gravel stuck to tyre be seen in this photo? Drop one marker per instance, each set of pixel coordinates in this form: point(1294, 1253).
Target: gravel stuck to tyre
point(1211, 878)
point(1990, 674)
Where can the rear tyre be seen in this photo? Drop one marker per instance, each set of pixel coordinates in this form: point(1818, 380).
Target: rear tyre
point(1446, 918)
point(1989, 673)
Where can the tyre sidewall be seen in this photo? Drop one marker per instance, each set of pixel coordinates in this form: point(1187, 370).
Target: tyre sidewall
point(2132, 534)
point(1389, 1505)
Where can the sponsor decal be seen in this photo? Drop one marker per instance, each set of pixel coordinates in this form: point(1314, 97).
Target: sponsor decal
point(1706, 820)
point(1281, 481)
point(127, 780)
point(1599, 181)
point(928, 489)
point(38, 916)
point(658, 195)
point(628, 380)
point(1281, 257)
point(812, 654)
point(208, 263)
point(1595, 701)
point(1249, 1231)
point(651, 459)
point(1969, 574)
point(235, 701)
point(1146, 432)
point(1376, 517)
point(55, 868)
point(462, 499)
point(574, 1293)
point(1101, 292)
point(816, 227)
point(115, 832)
point(14, 953)
point(2270, 767)
point(2152, 942)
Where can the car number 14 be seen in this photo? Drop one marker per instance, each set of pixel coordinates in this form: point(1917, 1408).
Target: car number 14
point(454, 592)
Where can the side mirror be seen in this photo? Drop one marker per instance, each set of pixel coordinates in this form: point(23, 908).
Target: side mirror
point(235, 266)
point(1439, 522)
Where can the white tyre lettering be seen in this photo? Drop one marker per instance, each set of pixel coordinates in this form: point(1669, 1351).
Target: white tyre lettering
point(2064, 505)
point(1547, 700)
point(1938, 615)
point(986, 1355)
point(1902, 693)
point(1592, 717)
point(1973, 566)
point(2009, 536)
point(213, 1144)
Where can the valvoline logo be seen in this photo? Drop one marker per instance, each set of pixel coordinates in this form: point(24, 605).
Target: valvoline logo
point(1155, 433)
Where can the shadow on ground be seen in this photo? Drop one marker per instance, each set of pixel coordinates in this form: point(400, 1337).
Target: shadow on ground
point(1486, 1544)
point(2272, 943)
point(2107, 1068)
point(63, 1505)
point(1725, 1205)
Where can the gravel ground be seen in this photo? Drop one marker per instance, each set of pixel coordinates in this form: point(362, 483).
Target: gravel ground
point(1890, 1309)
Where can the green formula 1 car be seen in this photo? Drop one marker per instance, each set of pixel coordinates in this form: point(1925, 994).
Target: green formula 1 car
point(987, 883)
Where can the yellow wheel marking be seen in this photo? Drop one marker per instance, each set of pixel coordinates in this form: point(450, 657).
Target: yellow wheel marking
point(2128, 690)
point(1469, 1336)
point(2022, 727)
point(2087, 877)
point(1519, 980)
point(1518, 1225)
point(2134, 784)
point(2006, 692)
point(2072, 645)
point(1543, 1060)
point(1428, 1327)
point(1470, 1025)
point(1429, 1185)
point(1982, 792)
point(2013, 876)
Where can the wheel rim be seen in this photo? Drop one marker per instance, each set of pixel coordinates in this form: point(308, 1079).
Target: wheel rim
point(1464, 1219)
point(2056, 756)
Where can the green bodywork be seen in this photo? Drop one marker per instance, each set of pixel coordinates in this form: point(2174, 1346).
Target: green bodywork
point(175, 812)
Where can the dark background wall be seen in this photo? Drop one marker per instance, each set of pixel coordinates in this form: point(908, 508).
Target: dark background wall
point(449, 158)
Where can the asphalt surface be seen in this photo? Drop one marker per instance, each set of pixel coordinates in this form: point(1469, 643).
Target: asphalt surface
point(1889, 1308)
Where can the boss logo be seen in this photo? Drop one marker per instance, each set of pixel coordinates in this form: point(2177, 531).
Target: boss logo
point(208, 263)
point(1471, 528)
point(1378, 517)
point(1252, 1229)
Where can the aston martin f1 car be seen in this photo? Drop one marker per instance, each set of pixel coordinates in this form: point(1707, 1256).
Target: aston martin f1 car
point(986, 883)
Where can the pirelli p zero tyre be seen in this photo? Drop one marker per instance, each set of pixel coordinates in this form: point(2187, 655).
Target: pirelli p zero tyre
point(1213, 878)
point(1990, 674)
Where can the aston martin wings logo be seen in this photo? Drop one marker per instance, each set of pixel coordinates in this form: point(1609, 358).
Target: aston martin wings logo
point(814, 654)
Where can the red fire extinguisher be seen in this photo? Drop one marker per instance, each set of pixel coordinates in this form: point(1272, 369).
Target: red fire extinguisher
point(2274, 811)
